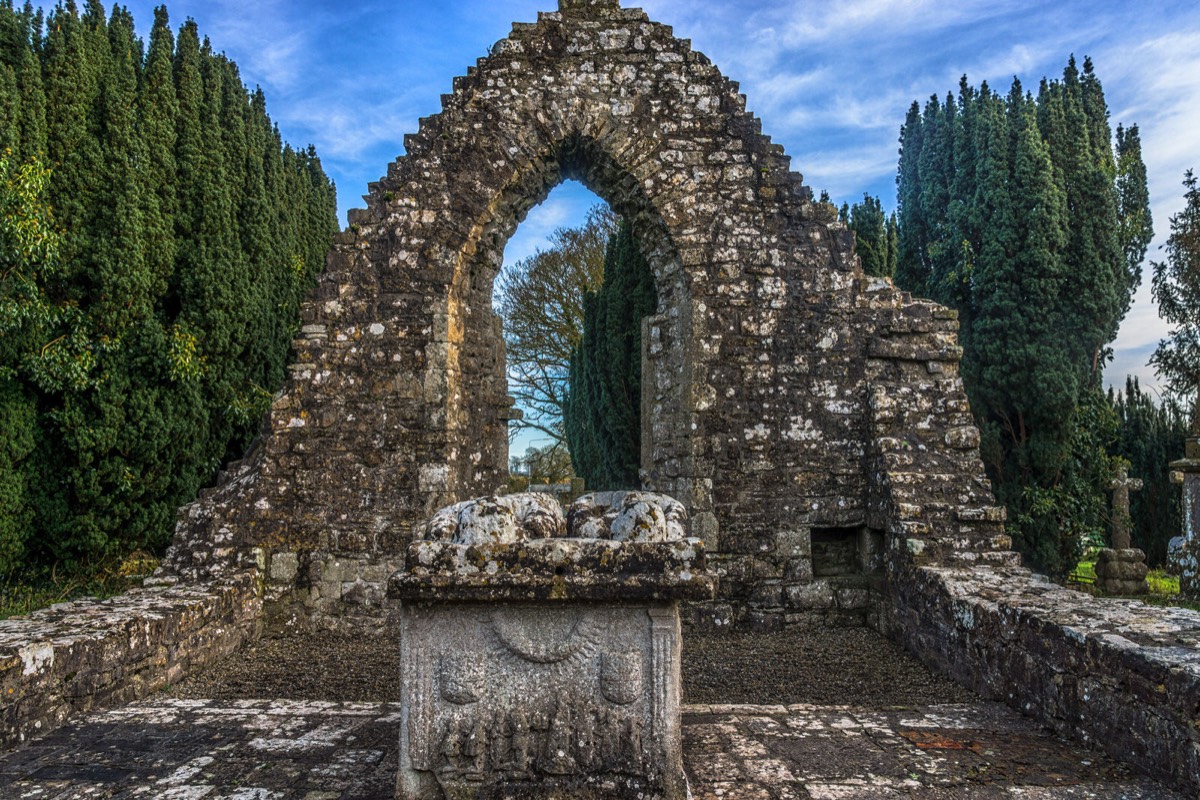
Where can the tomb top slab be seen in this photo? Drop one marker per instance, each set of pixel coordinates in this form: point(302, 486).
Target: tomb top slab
point(555, 569)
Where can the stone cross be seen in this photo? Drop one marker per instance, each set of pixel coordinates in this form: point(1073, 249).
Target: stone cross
point(1121, 486)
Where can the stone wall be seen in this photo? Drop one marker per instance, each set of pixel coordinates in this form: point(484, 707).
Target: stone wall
point(1117, 674)
point(770, 368)
point(75, 657)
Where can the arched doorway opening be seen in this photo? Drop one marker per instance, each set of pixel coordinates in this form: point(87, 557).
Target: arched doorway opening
point(478, 403)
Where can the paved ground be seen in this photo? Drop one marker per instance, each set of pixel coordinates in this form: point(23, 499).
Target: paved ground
point(178, 749)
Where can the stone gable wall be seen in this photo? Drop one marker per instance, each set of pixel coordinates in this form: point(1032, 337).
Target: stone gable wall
point(777, 373)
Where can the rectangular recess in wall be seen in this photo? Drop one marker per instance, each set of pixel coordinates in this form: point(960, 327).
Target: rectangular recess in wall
point(835, 552)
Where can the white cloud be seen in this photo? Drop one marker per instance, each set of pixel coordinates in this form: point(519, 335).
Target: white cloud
point(566, 206)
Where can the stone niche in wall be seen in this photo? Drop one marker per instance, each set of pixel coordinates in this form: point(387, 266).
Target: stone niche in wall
point(840, 552)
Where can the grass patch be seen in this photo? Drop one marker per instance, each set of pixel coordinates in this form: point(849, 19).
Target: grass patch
point(1084, 572)
point(24, 593)
point(1164, 588)
point(1161, 583)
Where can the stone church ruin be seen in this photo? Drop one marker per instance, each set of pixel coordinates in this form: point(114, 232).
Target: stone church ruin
point(810, 420)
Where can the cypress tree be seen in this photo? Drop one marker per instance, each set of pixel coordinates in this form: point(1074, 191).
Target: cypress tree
point(1016, 214)
point(893, 244)
point(29, 256)
point(869, 224)
point(1151, 435)
point(603, 410)
point(1096, 289)
point(33, 99)
point(1176, 289)
point(912, 272)
point(1135, 223)
point(72, 85)
point(10, 110)
point(159, 109)
point(166, 320)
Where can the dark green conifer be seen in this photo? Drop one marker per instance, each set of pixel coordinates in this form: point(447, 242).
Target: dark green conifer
point(1023, 237)
point(602, 414)
point(869, 224)
point(912, 272)
point(1176, 288)
point(1135, 223)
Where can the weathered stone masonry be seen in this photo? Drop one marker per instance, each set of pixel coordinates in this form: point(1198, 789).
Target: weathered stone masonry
point(810, 418)
point(776, 372)
point(90, 654)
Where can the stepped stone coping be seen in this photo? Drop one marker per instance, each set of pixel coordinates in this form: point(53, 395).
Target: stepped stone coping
point(1118, 674)
point(88, 654)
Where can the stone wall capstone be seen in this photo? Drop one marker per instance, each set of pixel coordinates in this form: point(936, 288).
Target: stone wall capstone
point(1119, 675)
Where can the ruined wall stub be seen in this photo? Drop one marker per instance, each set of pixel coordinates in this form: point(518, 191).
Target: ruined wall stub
point(795, 406)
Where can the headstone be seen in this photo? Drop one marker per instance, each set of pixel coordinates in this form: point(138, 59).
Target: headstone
point(1186, 471)
point(540, 665)
point(1122, 569)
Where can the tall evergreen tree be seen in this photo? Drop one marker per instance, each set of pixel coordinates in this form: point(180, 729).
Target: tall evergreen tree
point(29, 255)
point(1136, 225)
point(912, 271)
point(870, 226)
point(1176, 289)
point(603, 409)
point(29, 83)
point(190, 234)
point(1151, 434)
point(1015, 212)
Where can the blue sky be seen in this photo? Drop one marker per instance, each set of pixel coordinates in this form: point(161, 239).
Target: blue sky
point(831, 81)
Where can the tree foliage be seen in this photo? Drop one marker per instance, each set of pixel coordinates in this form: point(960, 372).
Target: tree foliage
point(602, 414)
point(540, 301)
point(1016, 211)
point(875, 235)
point(146, 322)
point(1150, 436)
point(548, 464)
point(1176, 288)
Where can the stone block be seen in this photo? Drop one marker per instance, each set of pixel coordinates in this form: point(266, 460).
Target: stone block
point(798, 570)
point(790, 543)
point(284, 567)
point(853, 599)
point(768, 595)
point(765, 621)
point(815, 596)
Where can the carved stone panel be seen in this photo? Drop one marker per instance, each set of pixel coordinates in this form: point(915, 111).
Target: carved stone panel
point(539, 699)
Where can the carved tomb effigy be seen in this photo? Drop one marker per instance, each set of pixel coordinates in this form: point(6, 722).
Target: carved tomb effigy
point(540, 651)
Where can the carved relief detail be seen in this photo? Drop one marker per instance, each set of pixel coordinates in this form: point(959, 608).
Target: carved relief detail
point(461, 677)
point(566, 738)
point(543, 635)
point(621, 677)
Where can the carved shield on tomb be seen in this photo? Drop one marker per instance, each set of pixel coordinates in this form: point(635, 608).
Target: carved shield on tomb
point(621, 677)
point(461, 677)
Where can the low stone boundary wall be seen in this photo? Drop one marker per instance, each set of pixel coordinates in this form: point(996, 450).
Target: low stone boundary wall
point(1118, 674)
point(74, 657)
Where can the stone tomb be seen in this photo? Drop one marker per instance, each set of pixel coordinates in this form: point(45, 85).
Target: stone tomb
point(536, 665)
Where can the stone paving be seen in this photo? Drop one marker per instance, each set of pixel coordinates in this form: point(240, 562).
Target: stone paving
point(306, 750)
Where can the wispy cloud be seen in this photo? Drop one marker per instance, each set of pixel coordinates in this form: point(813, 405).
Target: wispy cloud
point(566, 206)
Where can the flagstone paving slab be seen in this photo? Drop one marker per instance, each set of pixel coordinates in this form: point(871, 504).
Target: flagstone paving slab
point(179, 749)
